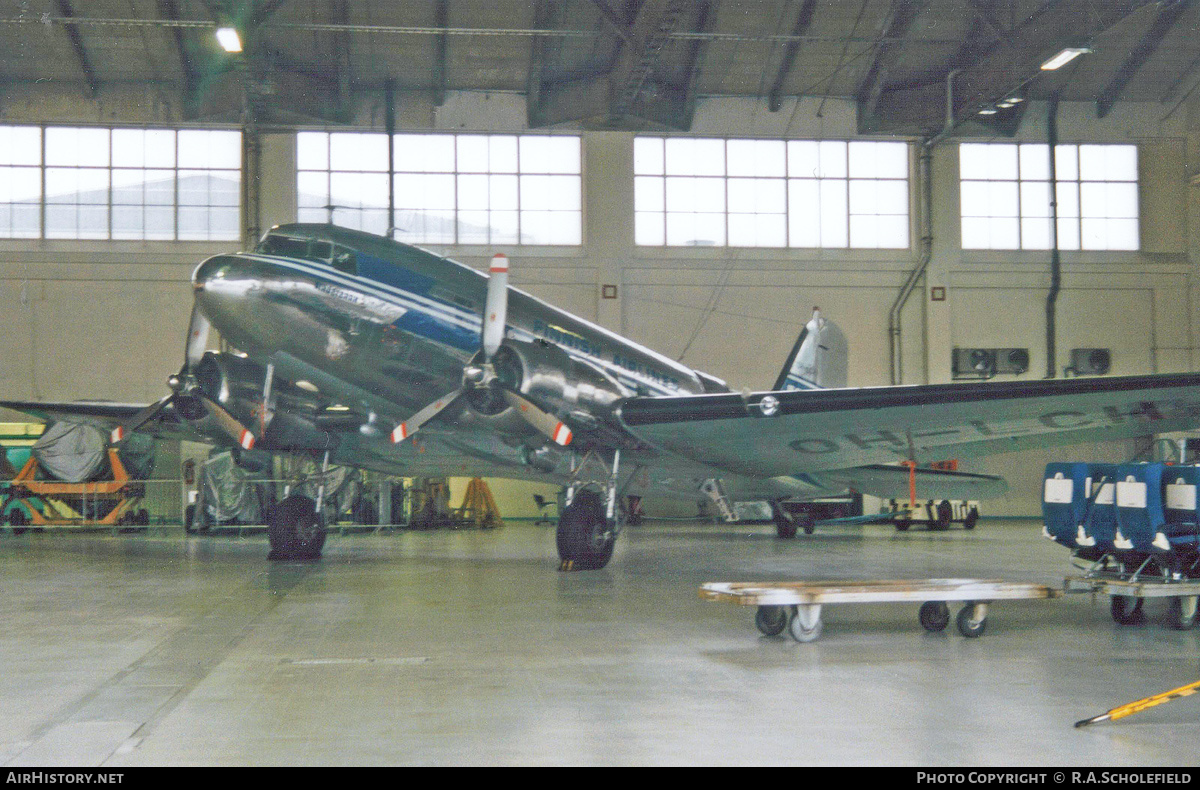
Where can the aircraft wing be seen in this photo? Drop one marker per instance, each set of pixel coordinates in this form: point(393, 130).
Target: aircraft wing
point(104, 415)
point(808, 432)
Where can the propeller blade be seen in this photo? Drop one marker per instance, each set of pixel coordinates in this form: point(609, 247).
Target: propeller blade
point(229, 424)
point(496, 311)
point(138, 420)
point(544, 421)
point(197, 339)
point(414, 423)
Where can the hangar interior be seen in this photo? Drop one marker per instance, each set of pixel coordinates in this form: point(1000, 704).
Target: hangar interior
point(97, 311)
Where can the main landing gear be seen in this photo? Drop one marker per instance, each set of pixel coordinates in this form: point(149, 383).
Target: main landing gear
point(589, 521)
point(295, 526)
point(295, 529)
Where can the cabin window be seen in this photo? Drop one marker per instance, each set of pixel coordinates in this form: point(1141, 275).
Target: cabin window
point(284, 246)
point(345, 261)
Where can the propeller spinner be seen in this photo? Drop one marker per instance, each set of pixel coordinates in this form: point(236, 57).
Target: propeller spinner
point(483, 375)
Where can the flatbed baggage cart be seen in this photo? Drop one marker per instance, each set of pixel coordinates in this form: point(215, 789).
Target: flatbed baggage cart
point(796, 606)
point(1128, 594)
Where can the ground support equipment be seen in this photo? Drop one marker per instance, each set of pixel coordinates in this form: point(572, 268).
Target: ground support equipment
point(796, 606)
point(104, 503)
point(1128, 593)
point(935, 514)
point(478, 509)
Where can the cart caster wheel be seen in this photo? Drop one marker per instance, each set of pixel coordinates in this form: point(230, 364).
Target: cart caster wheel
point(969, 624)
point(805, 627)
point(1183, 613)
point(943, 515)
point(771, 620)
point(802, 634)
point(934, 616)
point(1126, 610)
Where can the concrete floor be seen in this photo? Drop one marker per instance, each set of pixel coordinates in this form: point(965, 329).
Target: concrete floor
point(469, 648)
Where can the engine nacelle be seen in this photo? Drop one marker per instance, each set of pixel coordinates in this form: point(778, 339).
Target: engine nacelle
point(554, 380)
point(236, 383)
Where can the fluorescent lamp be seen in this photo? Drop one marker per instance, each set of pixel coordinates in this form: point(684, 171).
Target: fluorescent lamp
point(1064, 57)
point(229, 39)
point(987, 112)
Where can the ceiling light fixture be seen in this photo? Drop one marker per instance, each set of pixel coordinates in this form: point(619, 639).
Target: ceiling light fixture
point(989, 111)
point(229, 39)
point(1064, 57)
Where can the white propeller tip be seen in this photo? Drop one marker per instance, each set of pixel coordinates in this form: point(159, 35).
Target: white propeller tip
point(246, 440)
point(562, 435)
point(499, 263)
point(117, 434)
point(400, 433)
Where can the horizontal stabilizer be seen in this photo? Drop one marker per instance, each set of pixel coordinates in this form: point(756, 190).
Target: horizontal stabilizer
point(892, 482)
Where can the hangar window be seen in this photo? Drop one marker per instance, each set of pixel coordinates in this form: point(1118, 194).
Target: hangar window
point(1005, 196)
point(63, 182)
point(449, 188)
point(20, 182)
point(770, 193)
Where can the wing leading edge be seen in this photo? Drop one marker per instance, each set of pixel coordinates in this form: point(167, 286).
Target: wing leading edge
point(767, 434)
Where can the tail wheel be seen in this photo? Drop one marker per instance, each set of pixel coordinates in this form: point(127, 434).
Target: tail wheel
point(295, 530)
point(785, 527)
point(971, 519)
point(585, 540)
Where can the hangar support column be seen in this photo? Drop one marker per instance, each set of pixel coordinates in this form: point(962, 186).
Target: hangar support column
point(947, 250)
point(608, 218)
point(1192, 227)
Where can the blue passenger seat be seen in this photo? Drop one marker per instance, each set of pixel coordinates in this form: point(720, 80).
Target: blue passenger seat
point(1180, 484)
point(1099, 526)
point(1140, 518)
point(1065, 490)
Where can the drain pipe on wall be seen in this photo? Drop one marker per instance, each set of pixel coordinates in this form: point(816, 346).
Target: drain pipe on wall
point(925, 176)
point(1055, 263)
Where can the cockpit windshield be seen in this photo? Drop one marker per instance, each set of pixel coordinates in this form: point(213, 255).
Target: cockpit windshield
point(316, 250)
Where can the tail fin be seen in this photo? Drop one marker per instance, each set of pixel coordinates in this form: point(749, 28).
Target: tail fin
point(819, 359)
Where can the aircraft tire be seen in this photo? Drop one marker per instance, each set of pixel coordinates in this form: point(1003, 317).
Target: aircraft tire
point(785, 527)
point(582, 540)
point(294, 529)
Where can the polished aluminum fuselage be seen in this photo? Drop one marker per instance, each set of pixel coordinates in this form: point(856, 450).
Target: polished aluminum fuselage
point(394, 334)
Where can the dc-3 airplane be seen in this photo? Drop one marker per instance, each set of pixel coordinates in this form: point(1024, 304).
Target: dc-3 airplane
point(379, 355)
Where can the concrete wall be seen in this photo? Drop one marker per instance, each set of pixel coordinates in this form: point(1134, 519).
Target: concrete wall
point(107, 319)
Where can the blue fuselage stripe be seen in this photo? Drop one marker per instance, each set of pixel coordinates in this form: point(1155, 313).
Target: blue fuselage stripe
point(434, 319)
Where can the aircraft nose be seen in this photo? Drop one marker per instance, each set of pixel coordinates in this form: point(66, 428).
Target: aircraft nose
point(215, 269)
